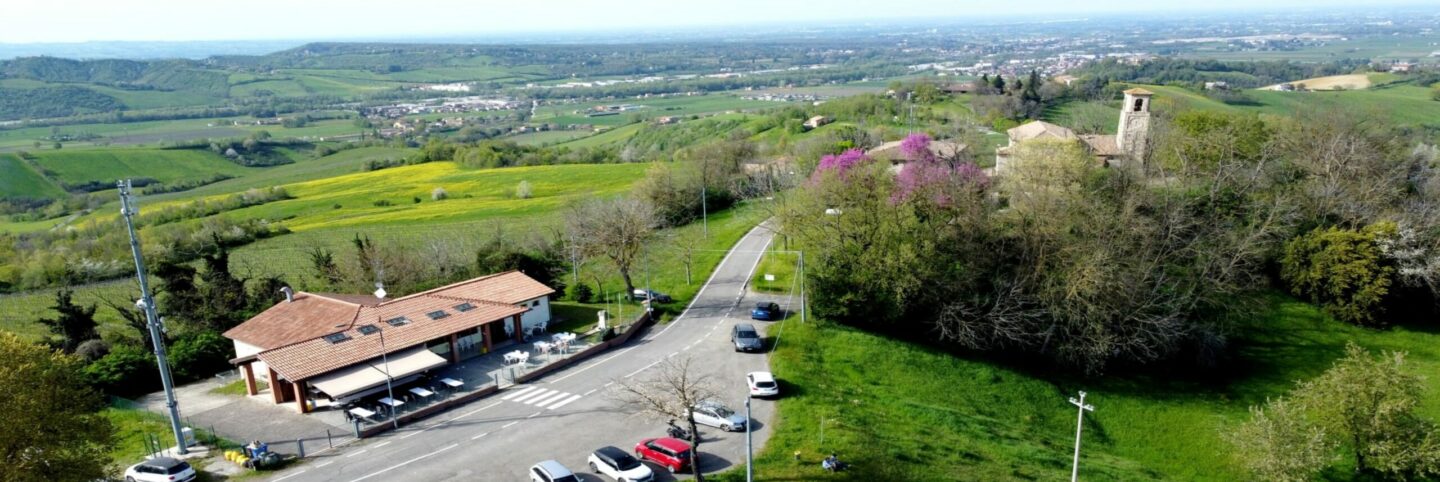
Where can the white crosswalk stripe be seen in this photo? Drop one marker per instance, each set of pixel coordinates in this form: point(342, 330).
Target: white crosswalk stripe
point(563, 402)
point(518, 393)
point(540, 402)
point(533, 395)
point(541, 397)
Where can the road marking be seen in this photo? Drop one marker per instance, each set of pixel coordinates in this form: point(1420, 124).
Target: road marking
point(382, 444)
point(672, 354)
point(647, 367)
point(533, 395)
point(547, 400)
point(593, 365)
point(534, 414)
point(716, 272)
point(407, 462)
point(586, 394)
point(561, 404)
point(324, 464)
point(518, 392)
point(477, 437)
point(357, 453)
point(472, 412)
point(289, 476)
point(509, 424)
point(417, 432)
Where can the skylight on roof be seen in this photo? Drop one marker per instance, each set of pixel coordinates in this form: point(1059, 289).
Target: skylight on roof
point(369, 329)
point(397, 321)
point(336, 337)
point(464, 307)
point(437, 314)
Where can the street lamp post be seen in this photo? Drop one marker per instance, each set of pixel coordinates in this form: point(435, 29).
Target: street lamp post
point(389, 387)
point(749, 447)
point(1079, 424)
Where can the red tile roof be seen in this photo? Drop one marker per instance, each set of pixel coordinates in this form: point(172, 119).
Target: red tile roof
point(292, 334)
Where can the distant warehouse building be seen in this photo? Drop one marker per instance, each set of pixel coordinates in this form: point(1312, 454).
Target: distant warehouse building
point(332, 342)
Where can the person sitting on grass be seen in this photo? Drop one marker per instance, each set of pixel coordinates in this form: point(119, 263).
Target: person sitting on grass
point(832, 463)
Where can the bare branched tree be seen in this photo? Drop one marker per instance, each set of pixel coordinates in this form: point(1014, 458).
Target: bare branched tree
point(615, 229)
point(670, 392)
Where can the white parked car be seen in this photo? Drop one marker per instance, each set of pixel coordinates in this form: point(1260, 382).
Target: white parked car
point(762, 384)
point(551, 471)
point(719, 416)
point(160, 469)
point(619, 465)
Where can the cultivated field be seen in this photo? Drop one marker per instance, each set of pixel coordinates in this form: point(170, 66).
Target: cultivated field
point(1334, 82)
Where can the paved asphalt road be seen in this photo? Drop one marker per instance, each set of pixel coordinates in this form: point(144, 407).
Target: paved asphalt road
point(567, 414)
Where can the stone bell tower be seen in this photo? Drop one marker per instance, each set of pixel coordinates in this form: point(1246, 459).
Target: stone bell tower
point(1134, 133)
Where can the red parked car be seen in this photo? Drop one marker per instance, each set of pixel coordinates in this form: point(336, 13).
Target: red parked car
point(672, 453)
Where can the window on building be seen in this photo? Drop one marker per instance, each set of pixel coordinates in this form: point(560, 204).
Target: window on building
point(536, 303)
point(1139, 104)
point(397, 321)
point(464, 307)
point(336, 337)
point(437, 314)
point(369, 329)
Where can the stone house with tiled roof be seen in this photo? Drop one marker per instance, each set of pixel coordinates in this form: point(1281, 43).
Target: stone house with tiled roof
point(1129, 144)
point(332, 343)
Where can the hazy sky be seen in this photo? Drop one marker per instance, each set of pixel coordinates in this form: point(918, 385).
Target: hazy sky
point(83, 20)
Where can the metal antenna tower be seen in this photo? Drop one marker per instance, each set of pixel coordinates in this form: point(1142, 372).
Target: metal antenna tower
point(152, 320)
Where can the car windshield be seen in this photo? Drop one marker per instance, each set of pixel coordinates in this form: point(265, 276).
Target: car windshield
point(723, 412)
point(568, 478)
point(747, 334)
point(626, 462)
point(178, 468)
point(764, 384)
point(762, 306)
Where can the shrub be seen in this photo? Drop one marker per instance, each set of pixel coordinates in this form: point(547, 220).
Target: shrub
point(198, 356)
point(126, 371)
point(382, 203)
point(1342, 270)
point(439, 193)
point(581, 293)
point(92, 350)
point(522, 190)
point(415, 199)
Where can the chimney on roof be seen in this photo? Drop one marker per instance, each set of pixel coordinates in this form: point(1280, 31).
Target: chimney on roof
point(289, 294)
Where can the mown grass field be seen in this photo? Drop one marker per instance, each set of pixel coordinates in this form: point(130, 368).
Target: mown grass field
point(900, 411)
point(548, 137)
point(109, 165)
point(18, 179)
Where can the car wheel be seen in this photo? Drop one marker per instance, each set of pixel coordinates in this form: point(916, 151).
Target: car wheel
point(672, 468)
point(593, 468)
point(725, 427)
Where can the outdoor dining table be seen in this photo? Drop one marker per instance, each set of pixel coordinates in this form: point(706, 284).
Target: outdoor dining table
point(563, 337)
point(391, 402)
point(421, 392)
point(543, 347)
point(516, 356)
point(453, 383)
point(361, 412)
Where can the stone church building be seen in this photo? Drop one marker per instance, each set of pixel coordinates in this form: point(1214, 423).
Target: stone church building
point(1129, 144)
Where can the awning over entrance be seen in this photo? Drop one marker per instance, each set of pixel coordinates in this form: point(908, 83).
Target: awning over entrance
point(362, 376)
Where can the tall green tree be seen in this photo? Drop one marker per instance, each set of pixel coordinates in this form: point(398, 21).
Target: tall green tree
point(1343, 270)
point(50, 430)
point(224, 299)
point(1369, 403)
point(76, 323)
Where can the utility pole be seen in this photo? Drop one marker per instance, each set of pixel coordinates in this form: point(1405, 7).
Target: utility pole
point(704, 213)
point(802, 286)
point(152, 319)
point(749, 447)
point(1079, 423)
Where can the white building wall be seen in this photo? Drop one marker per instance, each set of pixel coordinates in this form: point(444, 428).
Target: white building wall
point(539, 313)
point(242, 349)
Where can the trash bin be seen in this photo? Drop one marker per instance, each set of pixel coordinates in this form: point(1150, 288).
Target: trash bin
point(188, 434)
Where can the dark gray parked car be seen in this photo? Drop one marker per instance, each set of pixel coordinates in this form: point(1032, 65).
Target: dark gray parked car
point(745, 337)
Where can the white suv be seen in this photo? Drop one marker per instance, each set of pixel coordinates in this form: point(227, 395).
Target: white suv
point(618, 465)
point(160, 469)
point(551, 471)
point(762, 384)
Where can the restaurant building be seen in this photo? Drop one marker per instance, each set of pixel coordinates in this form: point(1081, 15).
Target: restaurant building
point(326, 348)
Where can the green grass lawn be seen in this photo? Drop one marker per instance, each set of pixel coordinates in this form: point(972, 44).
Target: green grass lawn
point(18, 179)
point(780, 266)
point(547, 137)
point(900, 411)
point(108, 165)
